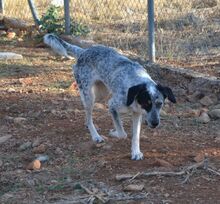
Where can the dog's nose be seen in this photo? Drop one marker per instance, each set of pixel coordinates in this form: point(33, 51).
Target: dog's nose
point(154, 124)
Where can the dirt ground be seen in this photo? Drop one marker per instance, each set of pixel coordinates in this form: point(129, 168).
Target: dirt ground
point(41, 114)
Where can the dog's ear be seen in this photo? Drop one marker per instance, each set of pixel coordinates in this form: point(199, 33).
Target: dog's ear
point(133, 92)
point(167, 93)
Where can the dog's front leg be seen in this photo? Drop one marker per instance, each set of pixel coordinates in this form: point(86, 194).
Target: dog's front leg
point(136, 154)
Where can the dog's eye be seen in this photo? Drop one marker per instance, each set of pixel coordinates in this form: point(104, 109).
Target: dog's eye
point(149, 102)
point(159, 103)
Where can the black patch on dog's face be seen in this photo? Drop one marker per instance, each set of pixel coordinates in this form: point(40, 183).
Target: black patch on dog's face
point(142, 96)
point(144, 99)
point(133, 92)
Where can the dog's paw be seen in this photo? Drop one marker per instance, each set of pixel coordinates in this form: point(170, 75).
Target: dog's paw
point(98, 139)
point(137, 156)
point(114, 133)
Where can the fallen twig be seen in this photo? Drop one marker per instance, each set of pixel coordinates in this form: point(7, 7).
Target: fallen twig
point(93, 195)
point(189, 170)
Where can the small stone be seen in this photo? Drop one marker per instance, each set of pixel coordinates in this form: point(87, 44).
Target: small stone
point(166, 195)
point(134, 187)
point(25, 146)
point(163, 113)
point(26, 81)
point(11, 35)
point(34, 165)
point(163, 163)
point(40, 149)
point(195, 96)
point(216, 106)
point(199, 157)
point(3, 33)
point(214, 114)
point(11, 90)
point(1, 163)
point(206, 101)
point(10, 55)
point(43, 158)
point(100, 106)
point(36, 143)
point(121, 177)
point(19, 120)
point(107, 147)
point(5, 138)
point(58, 151)
point(217, 139)
point(203, 118)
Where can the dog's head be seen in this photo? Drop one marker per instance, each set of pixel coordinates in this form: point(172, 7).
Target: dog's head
point(151, 99)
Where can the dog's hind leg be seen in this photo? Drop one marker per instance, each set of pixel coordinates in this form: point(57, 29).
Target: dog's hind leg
point(88, 102)
point(88, 99)
point(119, 129)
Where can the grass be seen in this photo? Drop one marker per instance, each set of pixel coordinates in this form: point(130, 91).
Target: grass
point(183, 28)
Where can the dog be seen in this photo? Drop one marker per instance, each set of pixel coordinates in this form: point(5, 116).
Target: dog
point(100, 70)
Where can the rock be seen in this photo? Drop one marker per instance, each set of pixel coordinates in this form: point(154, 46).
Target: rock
point(206, 101)
point(26, 81)
point(5, 138)
point(214, 114)
point(19, 120)
point(3, 33)
point(121, 177)
point(25, 146)
point(10, 90)
point(216, 106)
point(99, 106)
point(203, 118)
point(1, 163)
point(39, 149)
point(58, 151)
point(34, 165)
point(166, 195)
point(195, 97)
point(163, 113)
point(36, 143)
point(199, 157)
point(43, 158)
point(134, 187)
point(217, 139)
point(163, 163)
point(11, 35)
point(10, 55)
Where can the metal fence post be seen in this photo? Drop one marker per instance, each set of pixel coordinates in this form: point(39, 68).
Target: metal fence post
point(34, 12)
point(2, 6)
point(151, 33)
point(67, 16)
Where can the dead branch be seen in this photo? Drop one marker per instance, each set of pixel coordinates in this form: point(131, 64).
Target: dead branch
point(188, 170)
point(93, 195)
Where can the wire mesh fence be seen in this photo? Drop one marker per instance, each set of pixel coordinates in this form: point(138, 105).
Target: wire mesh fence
point(183, 28)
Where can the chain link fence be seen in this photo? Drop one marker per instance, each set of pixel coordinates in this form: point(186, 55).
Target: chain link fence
point(183, 28)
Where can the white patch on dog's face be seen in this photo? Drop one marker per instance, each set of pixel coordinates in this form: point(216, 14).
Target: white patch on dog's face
point(152, 90)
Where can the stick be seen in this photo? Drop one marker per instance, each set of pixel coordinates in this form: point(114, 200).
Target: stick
point(93, 194)
point(163, 173)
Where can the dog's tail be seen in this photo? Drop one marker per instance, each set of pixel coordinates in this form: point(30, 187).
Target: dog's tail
point(61, 47)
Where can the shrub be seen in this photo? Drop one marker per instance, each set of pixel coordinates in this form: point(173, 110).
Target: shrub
point(51, 22)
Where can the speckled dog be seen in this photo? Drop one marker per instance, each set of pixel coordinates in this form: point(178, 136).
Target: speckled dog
point(99, 70)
